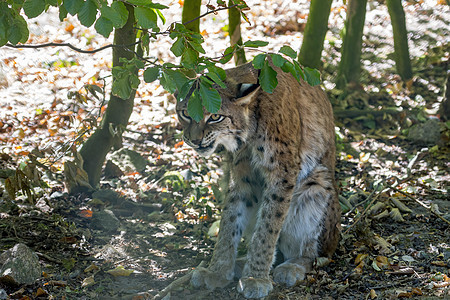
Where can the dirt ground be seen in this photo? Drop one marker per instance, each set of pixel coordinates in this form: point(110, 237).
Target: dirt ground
point(154, 218)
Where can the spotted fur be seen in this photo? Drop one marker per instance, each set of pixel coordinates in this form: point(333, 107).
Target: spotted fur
point(280, 161)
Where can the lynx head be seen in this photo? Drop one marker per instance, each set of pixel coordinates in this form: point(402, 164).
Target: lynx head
point(227, 128)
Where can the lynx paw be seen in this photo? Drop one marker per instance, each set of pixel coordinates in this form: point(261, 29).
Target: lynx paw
point(202, 276)
point(289, 273)
point(254, 287)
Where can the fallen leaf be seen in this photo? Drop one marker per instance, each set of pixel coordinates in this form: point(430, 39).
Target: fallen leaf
point(40, 292)
point(91, 268)
point(372, 294)
point(86, 213)
point(360, 257)
point(88, 281)
point(120, 271)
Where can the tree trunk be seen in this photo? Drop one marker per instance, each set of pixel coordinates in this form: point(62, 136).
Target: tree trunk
point(234, 30)
point(444, 110)
point(315, 31)
point(117, 113)
point(401, 54)
point(191, 10)
point(350, 66)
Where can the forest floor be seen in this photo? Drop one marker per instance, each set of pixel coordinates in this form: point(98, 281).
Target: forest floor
point(155, 216)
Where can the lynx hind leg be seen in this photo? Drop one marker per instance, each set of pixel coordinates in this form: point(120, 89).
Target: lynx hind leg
point(301, 236)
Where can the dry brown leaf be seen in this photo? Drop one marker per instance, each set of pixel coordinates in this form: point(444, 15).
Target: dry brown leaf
point(381, 215)
point(360, 257)
point(400, 205)
point(382, 245)
point(376, 208)
point(396, 215)
point(382, 261)
point(372, 294)
point(88, 281)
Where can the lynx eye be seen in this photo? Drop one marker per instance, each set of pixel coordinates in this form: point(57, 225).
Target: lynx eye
point(215, 118)
point(185, 115)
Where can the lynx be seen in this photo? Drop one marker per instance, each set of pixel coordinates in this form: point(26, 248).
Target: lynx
point(281, 194)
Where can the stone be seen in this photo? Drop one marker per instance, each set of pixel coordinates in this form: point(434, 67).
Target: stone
point(105, 220)
point(428, 133)
point(19, 265)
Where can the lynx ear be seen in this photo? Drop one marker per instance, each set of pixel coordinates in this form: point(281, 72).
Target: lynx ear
point(245, 73)
point(246, 93)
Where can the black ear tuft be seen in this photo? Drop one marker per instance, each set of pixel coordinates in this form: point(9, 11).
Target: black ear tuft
point(245, 89)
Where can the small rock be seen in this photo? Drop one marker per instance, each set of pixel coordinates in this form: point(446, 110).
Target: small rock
point(19, 265)
point(105, 220)
point(3, 294)
point(426, 133)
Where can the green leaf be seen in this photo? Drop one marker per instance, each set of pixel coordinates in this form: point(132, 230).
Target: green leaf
point(73, 6)
point(268, 78)
point(104, 26)
point(288, 51)
point(119, 7)
point(195, 108)
point(178, 47)
point(196, 46)
point(227, 55)
point(210, 97)
point(122, 88)
point(312, 76)
point(145, 17)
point(18, 31)
point(151, 74)
point(62, 12)
point(112, 15)
point(52, 2)
point(182, 93)
point(189, 59)
point(161, 16)
point(258, 61)
point(255, 44)
point(299, 70)
point(88, 13)
point(216, 79)
point(167, 83)
point(289, 67)
point(177, 77)
point(147, 3)
point(278, 60)
point(33, 8)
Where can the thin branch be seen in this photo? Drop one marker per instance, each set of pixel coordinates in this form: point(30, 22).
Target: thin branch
point(365, 210)
point(210, 12)
point(70, 46)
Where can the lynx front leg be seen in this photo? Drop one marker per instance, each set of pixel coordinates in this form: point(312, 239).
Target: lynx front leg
point(255, 281)
point(240, 205)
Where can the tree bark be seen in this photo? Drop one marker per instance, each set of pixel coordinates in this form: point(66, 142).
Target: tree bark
point(444, 109)
point(402, 61)
point(97, 146)
point(234, 30)
point(350, 66)
point(315, 31)
point(191, 10)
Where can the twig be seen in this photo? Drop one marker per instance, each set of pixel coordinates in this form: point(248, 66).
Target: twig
point(420, 202)
point(36, 46)
point(176, 283)
point(365, 210)
point(209, 12)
